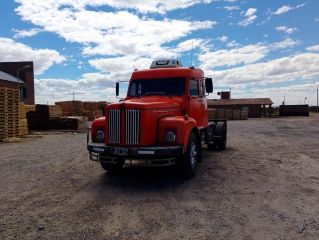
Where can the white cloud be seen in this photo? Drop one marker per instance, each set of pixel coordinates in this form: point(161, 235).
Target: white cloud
point(296, 67)
point(286, 29)
point(314, 48)
point(42, 58)
point(123, 65)
point(232, 44)
point(287, 8)
point(316, 19)
point(223, 38)
point(294, 93)
point(287, 43)
point(250, 17)
point(139, 5)
point(108, 33)
point(283, 9)
point(189, 44)
point(244, 55)
point(26, 33)
point(232, 8)
point(241, 55)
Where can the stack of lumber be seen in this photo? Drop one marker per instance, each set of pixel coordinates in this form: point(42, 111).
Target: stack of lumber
point(236, 114)
point(244, 115)
point(91, 115)
point(220, 113)
point(71, 108)
point(228, 114)
point(23, 122)
point(91, 106)
point(41, 119)
point(9, 114)
point(94, 110)
point(211, 113)
point(63, 124)
point(29, 108)
point(55, 111)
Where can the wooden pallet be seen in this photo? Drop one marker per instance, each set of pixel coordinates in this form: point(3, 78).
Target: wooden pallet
point(9, 114)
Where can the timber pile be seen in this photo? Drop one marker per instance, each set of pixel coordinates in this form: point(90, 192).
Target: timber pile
point(228, 114)
point(71, 108)
point(244, 115)
point(93, 114)
point(91, 109)
point(9, 114)
point(211, 113)
point(29, 108)
point(220, 113)
point(90, 106)
point(236, 114)
point(23, 122)
point(40, 119)
point(55, 111)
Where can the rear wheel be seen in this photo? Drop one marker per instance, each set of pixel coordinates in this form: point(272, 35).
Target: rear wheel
point(221, 132)
point(187, 164)
point(113, 167)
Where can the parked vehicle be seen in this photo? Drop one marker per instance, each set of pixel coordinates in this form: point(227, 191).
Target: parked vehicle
point(162, 121)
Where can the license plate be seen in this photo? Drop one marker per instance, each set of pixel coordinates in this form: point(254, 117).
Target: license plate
point(97, 149)
point(121, 151)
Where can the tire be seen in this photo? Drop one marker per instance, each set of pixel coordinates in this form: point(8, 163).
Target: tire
point(221, 130)
point(187, 164)
point(113, 167)
point(211, 146)
point(220, 145)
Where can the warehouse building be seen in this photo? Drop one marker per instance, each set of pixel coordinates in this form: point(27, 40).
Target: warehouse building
point(9, 81)
point(18, 75)
point(256, 107)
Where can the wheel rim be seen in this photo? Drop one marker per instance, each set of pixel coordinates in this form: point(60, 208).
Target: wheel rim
point(193, 154)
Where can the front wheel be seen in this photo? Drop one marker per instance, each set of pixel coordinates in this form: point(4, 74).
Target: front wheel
point(187, 164)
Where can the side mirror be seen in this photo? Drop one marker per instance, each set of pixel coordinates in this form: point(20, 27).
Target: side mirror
point(209, 85)
point(117, 88)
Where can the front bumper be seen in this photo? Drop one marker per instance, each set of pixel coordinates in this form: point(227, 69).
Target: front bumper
point(155, 152)
point(149, 156)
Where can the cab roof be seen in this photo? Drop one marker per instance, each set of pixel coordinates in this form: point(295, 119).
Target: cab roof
point(168, 73)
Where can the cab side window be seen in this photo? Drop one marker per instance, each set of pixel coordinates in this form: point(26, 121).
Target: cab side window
point(193, 88)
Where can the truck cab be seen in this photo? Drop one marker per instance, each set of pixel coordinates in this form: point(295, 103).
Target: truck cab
point(162, 121)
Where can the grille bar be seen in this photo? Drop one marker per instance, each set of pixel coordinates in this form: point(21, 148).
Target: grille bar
point(114, 126)
point(132, 126)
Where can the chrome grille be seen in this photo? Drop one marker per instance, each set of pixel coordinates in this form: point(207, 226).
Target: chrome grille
point(114, 126)
point(132, 126)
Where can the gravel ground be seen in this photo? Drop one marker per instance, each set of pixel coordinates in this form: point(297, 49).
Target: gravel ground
point(265, 185)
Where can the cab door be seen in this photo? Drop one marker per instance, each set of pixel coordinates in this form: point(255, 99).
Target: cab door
point(197, 102)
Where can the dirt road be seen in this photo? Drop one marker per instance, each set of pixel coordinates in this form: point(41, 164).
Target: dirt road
point(264, 186)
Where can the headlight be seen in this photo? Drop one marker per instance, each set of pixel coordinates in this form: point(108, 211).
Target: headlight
point(100, 136)
point(170, 137)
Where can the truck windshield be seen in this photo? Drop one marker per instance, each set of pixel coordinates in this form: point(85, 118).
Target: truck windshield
point(164, 86)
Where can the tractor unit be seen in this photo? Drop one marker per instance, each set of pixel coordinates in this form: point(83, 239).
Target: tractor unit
point(162, 121)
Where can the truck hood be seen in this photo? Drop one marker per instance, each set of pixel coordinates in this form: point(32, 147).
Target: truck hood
point(151, 102)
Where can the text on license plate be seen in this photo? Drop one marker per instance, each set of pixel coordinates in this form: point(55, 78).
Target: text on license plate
point(121, 151)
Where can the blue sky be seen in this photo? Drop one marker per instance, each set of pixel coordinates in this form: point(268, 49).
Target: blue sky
point(257, 48)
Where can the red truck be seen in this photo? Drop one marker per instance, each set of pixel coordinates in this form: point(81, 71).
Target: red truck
point(162, 121)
